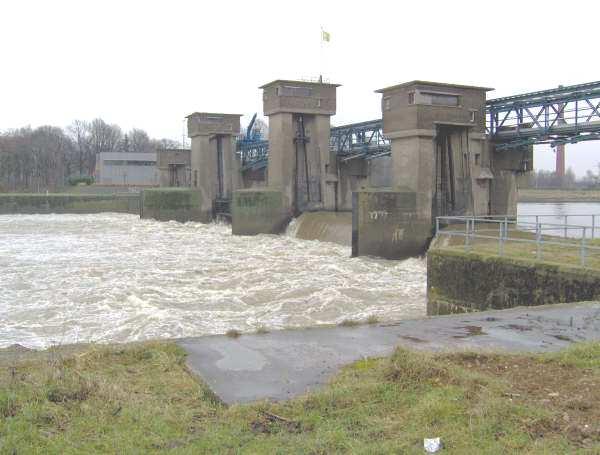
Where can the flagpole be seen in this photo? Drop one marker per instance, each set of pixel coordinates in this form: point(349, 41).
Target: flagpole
point(321, 56)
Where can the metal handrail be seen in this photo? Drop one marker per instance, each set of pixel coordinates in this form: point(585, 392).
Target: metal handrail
point(470, 233)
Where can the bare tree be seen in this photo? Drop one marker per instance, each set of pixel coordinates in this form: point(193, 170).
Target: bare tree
point(140, 141)
point(164, 143)
point(103, 138)
point(261, 127)
point(79, 131)
point(46, 157)
point(35, 160)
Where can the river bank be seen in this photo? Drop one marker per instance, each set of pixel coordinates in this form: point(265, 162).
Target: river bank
point(551, 195)
point(142, 398)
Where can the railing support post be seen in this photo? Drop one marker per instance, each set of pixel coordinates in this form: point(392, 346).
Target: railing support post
point(582, 254)
point(566, 218)
point(501, 240)
point(467, 239)
point(593, 225)
point(538, 241)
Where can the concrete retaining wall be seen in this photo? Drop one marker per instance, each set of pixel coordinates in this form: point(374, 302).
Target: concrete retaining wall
point(462, 282)
point(69, 203)
point(177, 204)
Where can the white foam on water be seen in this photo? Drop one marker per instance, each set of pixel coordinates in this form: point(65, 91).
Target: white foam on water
point(116, 278)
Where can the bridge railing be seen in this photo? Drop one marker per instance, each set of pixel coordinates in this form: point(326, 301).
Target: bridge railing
point(509, 236)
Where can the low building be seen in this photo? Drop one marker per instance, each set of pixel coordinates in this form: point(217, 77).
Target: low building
point(174, 167)
point(126, 168)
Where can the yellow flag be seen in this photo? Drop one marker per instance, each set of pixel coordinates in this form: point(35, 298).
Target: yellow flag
point(325, 36)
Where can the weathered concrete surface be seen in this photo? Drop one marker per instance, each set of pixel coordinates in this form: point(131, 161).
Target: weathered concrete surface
point(258, 211)
point(324, 226)
point(178, 204)
point(303, 170)
point(386, 223)
point(284, 364)
point(214, 171)
point(458, 282)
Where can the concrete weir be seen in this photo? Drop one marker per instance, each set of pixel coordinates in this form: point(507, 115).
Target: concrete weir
point(333, 227)
point(428, 156)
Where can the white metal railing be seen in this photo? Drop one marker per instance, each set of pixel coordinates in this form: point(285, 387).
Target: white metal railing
point(497, 228)
point(592, 225)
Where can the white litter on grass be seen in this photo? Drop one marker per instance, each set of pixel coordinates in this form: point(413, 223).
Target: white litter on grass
point(432, 445)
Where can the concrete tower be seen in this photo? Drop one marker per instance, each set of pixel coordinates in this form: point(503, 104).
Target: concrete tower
point(439, 155)
point(214, 170)
point(300, 163)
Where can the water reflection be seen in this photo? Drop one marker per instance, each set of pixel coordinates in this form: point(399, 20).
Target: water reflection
point(576, 213)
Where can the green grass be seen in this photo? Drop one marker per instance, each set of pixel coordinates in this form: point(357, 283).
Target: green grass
point(142, 399)
point(349, 323)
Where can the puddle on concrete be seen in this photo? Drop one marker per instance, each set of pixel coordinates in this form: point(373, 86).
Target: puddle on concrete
point(563, 338)
point(471, 331)
point(517, 327)
point(413, 339)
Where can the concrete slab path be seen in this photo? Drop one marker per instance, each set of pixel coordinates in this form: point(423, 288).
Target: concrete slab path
point(283, 364)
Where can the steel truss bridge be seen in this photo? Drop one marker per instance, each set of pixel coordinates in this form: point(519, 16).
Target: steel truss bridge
point(357, 140)
point(556, 116)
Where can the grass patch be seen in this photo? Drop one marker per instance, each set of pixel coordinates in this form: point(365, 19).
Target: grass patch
point(372, 319)
point(565, 254)
point(142, 399)
point(349, 323)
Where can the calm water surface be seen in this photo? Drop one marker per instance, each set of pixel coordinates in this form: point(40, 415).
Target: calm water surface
point(575, 213)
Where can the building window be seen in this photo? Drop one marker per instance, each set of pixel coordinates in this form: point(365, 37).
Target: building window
point(472, 117)
point(318, 102)
point(129, 163)
point(411, 98)
point(288, 90)
point(439, 99)
point(387, 104)
point(477, 158)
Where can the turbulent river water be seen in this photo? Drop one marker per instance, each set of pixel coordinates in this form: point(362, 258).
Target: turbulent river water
point(114, 278)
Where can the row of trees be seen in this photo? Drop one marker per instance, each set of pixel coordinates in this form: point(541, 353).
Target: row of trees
point(45, 158)
point(549, 179)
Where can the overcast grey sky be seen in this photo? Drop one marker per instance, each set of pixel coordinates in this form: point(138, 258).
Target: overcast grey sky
point(147, 64)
